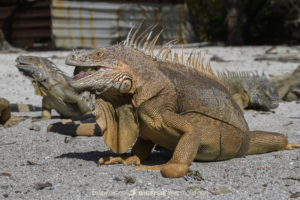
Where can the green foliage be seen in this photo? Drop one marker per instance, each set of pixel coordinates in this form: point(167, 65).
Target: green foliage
point(208, 19)
point(262, 21)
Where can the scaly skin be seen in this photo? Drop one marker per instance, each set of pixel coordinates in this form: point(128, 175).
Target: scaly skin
point(250, 91)
point(4, 111)
point(177, 106)
point(51, 83)
point(288, 85)
point(5, 114)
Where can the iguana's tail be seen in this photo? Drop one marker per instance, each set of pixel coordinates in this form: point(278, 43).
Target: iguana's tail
point(83, 127)
point(24, 108)
point(263, 142)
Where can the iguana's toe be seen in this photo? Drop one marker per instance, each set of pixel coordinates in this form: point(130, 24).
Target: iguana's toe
point(168, 170)
point(291, 146)
point(110, 160)
point(174, 170)
point(39, 119)
point(131, 160)
point(13, 121)
point(153, 168)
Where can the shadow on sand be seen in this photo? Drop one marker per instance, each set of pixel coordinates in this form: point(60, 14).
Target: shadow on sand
point(155, 158)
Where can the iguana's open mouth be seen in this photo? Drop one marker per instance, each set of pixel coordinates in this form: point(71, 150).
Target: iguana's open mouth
point(81, 75)
point(86, 71)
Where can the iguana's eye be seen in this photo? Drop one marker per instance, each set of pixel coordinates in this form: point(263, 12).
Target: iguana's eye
point(125, 86)
point(99, 54)
point(258, 89)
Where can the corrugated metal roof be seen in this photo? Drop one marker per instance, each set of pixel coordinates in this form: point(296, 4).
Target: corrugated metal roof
point(95, 24)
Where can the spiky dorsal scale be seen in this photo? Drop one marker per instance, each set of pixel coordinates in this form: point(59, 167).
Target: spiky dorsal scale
point(143, 43)
point(232, 80)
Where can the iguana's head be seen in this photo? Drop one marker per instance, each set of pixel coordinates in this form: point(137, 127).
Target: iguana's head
point(89, 61)
point(113, 77)
point(259, 93)
point(40, 70)
point(262, 95)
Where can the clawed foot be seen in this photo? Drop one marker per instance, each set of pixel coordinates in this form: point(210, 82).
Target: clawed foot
point(131, 160)
point(13, 121)
point(36, 119)
point(168, 170)
point(291, 146)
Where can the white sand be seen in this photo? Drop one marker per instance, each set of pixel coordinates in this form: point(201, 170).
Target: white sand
point(72, 170)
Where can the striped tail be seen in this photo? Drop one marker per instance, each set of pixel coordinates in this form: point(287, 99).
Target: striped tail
point(83, 127)
point(24, 108)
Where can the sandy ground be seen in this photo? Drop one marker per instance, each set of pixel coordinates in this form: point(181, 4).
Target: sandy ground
point(40, 165)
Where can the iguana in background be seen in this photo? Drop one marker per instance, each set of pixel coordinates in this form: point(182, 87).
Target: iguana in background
point(6, 119)
point(181, 108)
point(51, 83)
point(288, 85)
point(250, 91)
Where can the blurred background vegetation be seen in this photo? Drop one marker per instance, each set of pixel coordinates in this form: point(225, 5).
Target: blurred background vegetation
point(246, 21)
point(71, 24)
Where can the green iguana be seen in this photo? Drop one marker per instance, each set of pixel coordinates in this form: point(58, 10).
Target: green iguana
point(175, 106)
point(288, 85)
point(51, 83)
point(250, 91)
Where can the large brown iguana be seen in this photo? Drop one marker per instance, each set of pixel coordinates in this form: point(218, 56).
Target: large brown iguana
point(288, 85)
point(51, 83)
point(250, 91)
point(176, 106)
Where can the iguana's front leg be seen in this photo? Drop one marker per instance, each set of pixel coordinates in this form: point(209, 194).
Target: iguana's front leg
point(82, 103)
point(140, 152)
point(186, 148)
point(46, 110)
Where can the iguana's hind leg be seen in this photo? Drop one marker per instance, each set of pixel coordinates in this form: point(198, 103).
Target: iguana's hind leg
point(263, 142)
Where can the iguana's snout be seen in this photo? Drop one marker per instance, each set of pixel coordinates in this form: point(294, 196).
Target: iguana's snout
point(25, 65)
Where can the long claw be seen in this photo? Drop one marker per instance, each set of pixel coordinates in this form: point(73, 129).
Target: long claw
point(131, 160)
point(153, 168)
point(168, 170)
point(291, 146)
